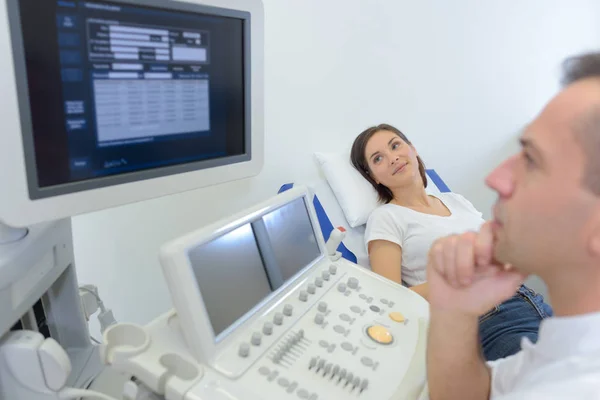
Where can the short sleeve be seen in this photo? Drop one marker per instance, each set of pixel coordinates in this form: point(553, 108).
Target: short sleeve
point(463, 200)
point(504, 372)
point(383, 225)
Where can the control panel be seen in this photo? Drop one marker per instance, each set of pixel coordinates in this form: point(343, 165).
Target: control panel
point(342, 332)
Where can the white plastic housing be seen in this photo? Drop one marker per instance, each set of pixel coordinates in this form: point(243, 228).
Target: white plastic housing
point(16, 207)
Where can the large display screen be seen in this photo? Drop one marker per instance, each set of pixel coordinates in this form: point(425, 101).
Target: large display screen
point(115, 88)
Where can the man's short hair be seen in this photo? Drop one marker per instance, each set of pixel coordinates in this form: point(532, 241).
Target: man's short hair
point(587, 132)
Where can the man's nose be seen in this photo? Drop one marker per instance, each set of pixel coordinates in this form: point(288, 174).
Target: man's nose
point(502, 178)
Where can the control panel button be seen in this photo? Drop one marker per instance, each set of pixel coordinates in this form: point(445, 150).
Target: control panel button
point(349, 377)
point(287, 310)
point(364, 384)
point(302, 393)
point(318, 282)
point(367, 361)
point(267, 328)
point(303, 295)
point(319, 318)
point(244, 350)
point(336, 369)
point(374, 308)
point(339, 329)
point(322, 307)
point(320, 364)
point(384, 301)
point(283, 382)
point(347, 346)
point(352, 283)
point(397, 317)
point(312, 363)
point(278, 318)
point(311, 288)
point(264, 371)
point(325, 275)
point(341, 287)
point(332, 269)
point(256, 338)
point(356, 309)
point(380, 334)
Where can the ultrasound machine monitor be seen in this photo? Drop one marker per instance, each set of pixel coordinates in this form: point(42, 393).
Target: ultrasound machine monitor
point(122, 101)
point(260, 304)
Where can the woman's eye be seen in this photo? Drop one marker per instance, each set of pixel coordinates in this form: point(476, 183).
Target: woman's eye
point(395, 145)
point(377, 159)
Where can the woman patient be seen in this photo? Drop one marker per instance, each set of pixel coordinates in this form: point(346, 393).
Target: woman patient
point(400, 232)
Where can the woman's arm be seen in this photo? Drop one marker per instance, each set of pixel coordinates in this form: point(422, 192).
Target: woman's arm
point(385, 258)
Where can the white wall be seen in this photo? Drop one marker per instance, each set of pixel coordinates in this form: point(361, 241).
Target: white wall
point(459, 78)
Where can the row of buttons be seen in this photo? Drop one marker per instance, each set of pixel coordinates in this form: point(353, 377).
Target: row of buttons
point(318, 282)
point(352, 284)
point(285, 383)
point(336, 371)
point(256, 339)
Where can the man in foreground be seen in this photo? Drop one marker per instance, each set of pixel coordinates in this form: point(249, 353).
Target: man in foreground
point(546, 222)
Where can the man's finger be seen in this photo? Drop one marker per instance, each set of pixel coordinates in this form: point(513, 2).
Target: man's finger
point(484, 245)
point(450, 245)
point(465, 261)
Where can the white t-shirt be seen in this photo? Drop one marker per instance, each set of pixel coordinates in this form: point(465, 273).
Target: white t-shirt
point(415, 231)
point(563, 364)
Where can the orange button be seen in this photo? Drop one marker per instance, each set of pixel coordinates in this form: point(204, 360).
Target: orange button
point(380, 334)
point(397, 317)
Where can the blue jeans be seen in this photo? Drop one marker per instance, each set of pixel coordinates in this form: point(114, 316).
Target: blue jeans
point(501, 329)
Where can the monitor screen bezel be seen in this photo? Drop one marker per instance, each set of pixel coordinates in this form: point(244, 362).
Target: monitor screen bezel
point(185, 292)
point(219, 337)
point(36, 192)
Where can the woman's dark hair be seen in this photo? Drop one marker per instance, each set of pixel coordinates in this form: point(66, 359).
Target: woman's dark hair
point(359, 161)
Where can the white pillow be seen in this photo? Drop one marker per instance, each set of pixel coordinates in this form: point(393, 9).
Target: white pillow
point(356, 196)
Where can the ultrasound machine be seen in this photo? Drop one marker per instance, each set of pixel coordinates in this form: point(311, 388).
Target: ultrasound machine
point(106, 103)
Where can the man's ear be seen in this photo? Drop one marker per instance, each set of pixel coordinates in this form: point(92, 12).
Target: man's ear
point(594, 236)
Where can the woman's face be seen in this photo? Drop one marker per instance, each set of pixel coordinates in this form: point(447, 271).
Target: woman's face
point(392, 162)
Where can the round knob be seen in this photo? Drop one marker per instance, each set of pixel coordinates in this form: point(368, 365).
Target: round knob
point(325, 275)
point(268, 328)
point(311, 288)
point(278, 318)
point(380, 334)
point(244, 350)
point(287, 310)
point(319, 318)
point(319, 282)
point(303, 296)
point(256, 338)
point(332, 269)
point(322, 307)
point(352, 283)
point(342, 287)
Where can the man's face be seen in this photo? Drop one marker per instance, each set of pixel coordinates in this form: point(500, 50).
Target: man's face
point(542, 206)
